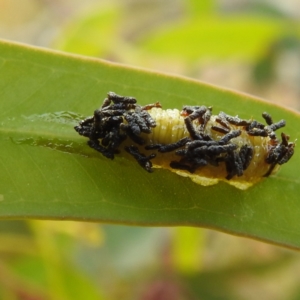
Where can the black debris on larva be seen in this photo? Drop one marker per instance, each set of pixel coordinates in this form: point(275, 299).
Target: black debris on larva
point(121, 118)
point(143, 160)
point(280, 153)
point(106, 130)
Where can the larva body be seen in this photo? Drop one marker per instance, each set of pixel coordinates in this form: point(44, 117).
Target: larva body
point(192, 142)
point(170, 128)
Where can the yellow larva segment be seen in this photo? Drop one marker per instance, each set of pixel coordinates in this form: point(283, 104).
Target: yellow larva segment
point(171, 128)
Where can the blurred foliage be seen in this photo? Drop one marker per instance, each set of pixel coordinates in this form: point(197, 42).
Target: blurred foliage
point(240, 46)
point(139, 263)
point(249, 45)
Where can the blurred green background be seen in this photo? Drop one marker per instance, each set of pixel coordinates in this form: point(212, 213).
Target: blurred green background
point(248, 45)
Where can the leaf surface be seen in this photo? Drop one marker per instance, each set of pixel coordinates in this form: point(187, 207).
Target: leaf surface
point(48, 171)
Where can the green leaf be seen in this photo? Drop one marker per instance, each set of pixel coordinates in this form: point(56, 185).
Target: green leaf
point(48, 171)
point(242, 36)
point(87, 33)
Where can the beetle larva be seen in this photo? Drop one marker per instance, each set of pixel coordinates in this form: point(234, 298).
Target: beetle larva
point(192, 143)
